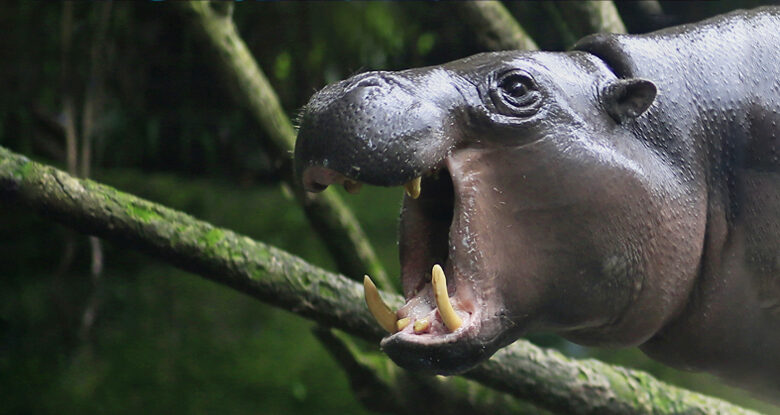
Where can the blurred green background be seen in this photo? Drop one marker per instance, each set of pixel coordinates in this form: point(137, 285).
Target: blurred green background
point(146, 337)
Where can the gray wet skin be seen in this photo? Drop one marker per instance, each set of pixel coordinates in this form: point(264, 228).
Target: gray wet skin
point(624, 193)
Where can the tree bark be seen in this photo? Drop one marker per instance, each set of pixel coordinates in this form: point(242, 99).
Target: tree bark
point(389, 389)
point(543, 377)
point(494, 25)
point(586, 17)
point(643, 16)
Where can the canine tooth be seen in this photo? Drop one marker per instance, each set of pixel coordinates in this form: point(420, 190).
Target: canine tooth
point(451, 320)
point(377, 307)
point(402, 323)
point(413, 187)
point(421, 325)
point(352, 186)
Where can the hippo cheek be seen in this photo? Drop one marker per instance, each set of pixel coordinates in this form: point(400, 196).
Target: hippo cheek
point(531, 238)
point(575, 234)
point(487, 218)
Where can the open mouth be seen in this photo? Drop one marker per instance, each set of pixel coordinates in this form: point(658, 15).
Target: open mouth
point(439, 303)
point(439, 264)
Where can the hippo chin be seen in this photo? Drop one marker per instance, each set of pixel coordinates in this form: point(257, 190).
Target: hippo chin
point(624, 193)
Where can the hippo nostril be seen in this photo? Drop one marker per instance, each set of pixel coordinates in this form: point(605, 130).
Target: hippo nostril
point(315, 187)
point(317, 178)
point(367, 80)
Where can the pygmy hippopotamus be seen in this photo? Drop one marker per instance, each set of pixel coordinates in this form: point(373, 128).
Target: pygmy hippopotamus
point(626, 192)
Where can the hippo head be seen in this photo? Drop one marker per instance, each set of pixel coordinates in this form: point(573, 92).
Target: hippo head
point(543, 209)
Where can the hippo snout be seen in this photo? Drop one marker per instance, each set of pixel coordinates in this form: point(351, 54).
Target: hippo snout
point(375, 128)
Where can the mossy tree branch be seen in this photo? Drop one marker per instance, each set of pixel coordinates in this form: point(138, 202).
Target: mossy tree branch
point(262, 271)
point(386, 388)
point(543, 377)
point(327, 213)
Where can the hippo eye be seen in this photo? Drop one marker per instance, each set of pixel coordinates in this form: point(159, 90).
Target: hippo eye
point(515, 86)
point(515, 93)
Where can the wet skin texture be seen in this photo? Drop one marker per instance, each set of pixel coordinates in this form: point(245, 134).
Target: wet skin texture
point(624, 193)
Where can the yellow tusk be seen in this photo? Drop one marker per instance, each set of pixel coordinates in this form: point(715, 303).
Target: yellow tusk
point(447, 313)
point(413, 187)
point(402, 323)
point(421, 325)
point(352, 186)
point(381, 312)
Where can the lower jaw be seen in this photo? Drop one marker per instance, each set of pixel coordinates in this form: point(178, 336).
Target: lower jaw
point(452, 353)
point(448, 354)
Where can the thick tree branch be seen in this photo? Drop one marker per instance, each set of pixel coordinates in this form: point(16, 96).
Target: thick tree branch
point(328, 214)
point(494, 25)
point(568, 386)
point(591, 16)
point(387, 388)
point(264, 272)
point(543, 377)
point(643, 15)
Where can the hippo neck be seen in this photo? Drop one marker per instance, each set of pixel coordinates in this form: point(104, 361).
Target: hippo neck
point(719, 103)
point(706, 86)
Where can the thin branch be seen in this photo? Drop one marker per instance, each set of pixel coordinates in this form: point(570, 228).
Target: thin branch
point(329, 216)
point(94, 94)
point(68, 109)
point(71, 162)
point(93, 100)
point(92, 306)
point(543, 377)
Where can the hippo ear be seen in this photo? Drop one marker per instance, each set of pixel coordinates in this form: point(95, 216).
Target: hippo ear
point(626, 99)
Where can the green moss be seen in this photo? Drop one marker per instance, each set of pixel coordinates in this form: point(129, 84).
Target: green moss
point(582, 374)
point(619, 384)
point(326, 290)
point(213, 236)
point(25, 169)
point(142, 213)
